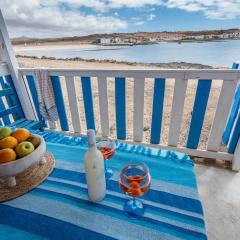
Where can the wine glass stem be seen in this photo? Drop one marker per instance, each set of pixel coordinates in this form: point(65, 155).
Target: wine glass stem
point(134, 202)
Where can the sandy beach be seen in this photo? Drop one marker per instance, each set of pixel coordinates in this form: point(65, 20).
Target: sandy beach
point(148, 98)
point(51, 46)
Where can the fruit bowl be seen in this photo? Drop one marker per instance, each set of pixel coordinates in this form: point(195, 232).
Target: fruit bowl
point(11, 169)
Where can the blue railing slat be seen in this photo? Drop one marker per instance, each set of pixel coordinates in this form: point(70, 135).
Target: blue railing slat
point(233, 112)
point(235, 134)
point(157, 110)
point(11, 110)
point(33, 125)
point(60, 102)
point(199, 109)
point(6, 92)
point(120, 102)
point(16, 123)
point(88, 102)
point(13, 100)
point(33, 90)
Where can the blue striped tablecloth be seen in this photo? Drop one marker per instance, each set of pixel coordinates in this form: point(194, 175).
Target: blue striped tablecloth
point(59, 207)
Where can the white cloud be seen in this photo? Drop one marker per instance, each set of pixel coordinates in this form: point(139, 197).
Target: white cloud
point(131, 3)
point(214, 9)
point(135, 18)
point(139, 23)
point(151, 17)
point(42, 18)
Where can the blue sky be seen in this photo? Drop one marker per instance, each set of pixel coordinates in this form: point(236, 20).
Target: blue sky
point(164, 19)
point(56, 18)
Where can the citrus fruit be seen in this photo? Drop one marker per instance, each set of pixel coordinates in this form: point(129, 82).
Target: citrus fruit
point(129, 179)
point(138, 178)
point(8, 142)
point(21, 134)
point(136, 192)
point(7, 155)
point(134, 184)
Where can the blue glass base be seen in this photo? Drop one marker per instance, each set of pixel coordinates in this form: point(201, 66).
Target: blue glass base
point(133, 208)
point(108, 172)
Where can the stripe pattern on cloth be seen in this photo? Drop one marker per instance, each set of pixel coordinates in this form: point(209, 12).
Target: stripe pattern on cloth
point(59, 207)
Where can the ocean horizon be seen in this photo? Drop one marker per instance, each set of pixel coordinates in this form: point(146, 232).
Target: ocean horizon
point(212, 53)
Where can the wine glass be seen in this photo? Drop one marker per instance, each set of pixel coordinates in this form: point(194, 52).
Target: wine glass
point(107, 148)
point(134, 180)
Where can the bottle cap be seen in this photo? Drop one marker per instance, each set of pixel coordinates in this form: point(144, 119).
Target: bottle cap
point(91, 137)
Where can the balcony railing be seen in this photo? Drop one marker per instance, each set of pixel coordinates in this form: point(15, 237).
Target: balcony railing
point(128, 100)
point(96, 101)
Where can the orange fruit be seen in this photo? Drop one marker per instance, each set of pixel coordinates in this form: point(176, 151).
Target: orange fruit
point(134, 184)
point(129, 179)
point(7, 155)
point(21, 134)
point(138, 178)
point(8, 142)
point(136, 192)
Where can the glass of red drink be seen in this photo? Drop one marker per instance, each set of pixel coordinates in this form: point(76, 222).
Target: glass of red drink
point(107, 148)
point(134, 181)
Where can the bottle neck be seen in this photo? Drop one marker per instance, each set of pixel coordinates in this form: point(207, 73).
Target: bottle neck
point(92, 146)
point(91, 139)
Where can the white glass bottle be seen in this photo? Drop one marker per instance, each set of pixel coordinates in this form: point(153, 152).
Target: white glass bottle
point(94, 167)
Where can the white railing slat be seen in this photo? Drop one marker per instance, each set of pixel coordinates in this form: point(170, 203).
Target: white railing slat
point(52, 125)
point(103, 104)
point(138, 109)
point(72, 97)
point(177, 111)
point(4, 69)
point(221, 115)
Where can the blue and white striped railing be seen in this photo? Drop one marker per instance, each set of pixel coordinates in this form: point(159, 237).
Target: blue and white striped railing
point(204, 78)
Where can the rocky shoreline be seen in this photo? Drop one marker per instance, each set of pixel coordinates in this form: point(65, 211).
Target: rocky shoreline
point(175, 65)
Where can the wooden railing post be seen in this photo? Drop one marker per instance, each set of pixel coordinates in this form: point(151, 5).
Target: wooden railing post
point(7, 56)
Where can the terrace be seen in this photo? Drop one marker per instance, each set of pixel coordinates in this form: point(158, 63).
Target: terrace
point(217, 186)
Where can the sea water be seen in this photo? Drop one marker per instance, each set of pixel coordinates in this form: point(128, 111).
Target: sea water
point(214, 53)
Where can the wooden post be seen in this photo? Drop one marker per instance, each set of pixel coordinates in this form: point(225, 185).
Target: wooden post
point(7, 56)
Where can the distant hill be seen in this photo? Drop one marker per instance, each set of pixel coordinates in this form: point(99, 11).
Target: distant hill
point(141, 35)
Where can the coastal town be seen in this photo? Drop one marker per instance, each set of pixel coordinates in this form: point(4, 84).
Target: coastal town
point(151, 38)
point(138, 38)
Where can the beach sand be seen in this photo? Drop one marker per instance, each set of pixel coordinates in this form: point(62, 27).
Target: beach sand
point(148, 98)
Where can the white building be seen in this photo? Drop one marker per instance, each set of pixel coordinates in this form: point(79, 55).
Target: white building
point(103, 40)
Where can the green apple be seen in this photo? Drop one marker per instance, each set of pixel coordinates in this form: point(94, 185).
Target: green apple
point(5, 132)
point(34, 140)
point(24, 148)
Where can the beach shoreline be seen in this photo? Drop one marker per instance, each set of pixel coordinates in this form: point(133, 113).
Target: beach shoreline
point(27, 61)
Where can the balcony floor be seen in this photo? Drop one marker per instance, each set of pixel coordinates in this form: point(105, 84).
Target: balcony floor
point(220, 194)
